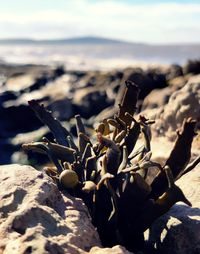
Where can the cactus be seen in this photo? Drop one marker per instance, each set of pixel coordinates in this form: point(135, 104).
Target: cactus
point(106, 177)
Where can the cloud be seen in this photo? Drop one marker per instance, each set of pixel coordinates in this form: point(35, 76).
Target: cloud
point(163, 22)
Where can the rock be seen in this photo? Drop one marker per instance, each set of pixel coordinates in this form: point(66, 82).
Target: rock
point(46, 85)
point(160, 97)
point(115, 250)
point(53, 95)
point(178, 231)
point(11, 70)
point(20, 82)
point(35, 217)
point(179, 82)
point(192, 66)
point(18, 156)
point(157, 98)
point(17, 118)
point(182, 104)
point(90, 101)
point(7, 149)
point(105, 114)
point(30, 81)
point(59, 71)
point(147, 81)
point(174, 71)
point(95, 78)
point(7, 96)
point(62, 108)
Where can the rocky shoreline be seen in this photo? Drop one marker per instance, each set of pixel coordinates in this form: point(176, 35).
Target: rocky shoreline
point(91, 94)
point(168, 96)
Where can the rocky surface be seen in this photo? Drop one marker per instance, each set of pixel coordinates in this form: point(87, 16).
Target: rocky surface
point(89, 93)
point(178, 231)
point(67, 93)
point(115, 250)
point(183, 103)
point(157, 98)
point(36, 218)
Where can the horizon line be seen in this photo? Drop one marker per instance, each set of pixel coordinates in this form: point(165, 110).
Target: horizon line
point(96, 37)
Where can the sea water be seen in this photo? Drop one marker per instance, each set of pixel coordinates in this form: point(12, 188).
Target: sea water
point(97, 56)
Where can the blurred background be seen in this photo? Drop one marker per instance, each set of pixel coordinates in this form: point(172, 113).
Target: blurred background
point(99, 34)
point(74, 56)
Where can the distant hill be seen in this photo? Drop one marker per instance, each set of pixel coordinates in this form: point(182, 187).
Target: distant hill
point(99, 48)
point(95, 41)
point(76, 40)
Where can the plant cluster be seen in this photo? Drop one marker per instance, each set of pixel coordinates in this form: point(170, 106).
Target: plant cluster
point(110, 174)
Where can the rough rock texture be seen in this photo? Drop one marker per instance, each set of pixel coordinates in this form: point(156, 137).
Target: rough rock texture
point(115, 250)
point(157, 98)
point(36, 218)
point(178, 231)
point(182, 104)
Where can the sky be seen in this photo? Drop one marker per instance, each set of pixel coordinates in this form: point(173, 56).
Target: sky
point(130, 20)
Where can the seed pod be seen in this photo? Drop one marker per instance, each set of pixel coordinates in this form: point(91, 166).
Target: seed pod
point(113, 123)
point(50, 170)
point(68, 178)
point(67, 165)
point(100, 128)
point(89, 186)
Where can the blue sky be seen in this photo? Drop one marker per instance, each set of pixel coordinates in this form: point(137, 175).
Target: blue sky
point(140, 21)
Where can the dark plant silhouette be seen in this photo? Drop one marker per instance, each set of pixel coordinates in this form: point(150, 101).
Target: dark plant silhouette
point(110, 175)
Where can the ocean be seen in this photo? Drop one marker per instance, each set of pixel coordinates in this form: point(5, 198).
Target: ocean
point(98, 56)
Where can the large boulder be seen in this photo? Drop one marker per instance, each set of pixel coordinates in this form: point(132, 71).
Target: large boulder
point(90, 101)
point(146, 80)
point(183, 103)
point(157, 98)
point(35, 217)
point(178, 231)
point(192, 66)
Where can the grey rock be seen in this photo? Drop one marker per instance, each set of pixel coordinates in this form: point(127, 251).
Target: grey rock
point(157, 98)
point(183, 103)
point(35, 217)
point(115, 250)
point(178, 231)
point(192, 66)
point(174, 71)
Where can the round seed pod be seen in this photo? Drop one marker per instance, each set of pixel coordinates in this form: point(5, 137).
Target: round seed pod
point(68, 178)
point(89, 186)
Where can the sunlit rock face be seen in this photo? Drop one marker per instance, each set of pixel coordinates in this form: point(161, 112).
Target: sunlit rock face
point(37, 218)
point(183, 103)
